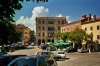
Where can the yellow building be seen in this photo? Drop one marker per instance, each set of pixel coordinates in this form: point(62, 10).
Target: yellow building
point(25, 32)
point(94, 27)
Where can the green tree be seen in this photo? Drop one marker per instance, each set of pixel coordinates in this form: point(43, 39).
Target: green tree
point(57, 35)
point(65, 36)
point(77, 36)
point(7, 12)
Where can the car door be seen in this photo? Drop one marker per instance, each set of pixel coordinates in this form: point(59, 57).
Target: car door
point(42, 61)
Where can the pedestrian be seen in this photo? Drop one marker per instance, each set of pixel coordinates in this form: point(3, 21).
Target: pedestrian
point(3, 49)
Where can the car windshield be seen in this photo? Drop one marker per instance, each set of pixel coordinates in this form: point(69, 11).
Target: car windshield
point(27, 62)
point(47, 53)
point(1, 54)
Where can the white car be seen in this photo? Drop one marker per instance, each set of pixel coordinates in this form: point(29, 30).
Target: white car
point(62, 54)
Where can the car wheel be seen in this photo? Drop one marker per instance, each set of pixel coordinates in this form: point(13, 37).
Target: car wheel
point(67, 51)
point(57, 59)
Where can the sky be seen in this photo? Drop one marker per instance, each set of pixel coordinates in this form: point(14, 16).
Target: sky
point(71, 9)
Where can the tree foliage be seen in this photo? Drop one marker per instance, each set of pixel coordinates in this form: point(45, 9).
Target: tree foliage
point(7, 12)
point(77, 36)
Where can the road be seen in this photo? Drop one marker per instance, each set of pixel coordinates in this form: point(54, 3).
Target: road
point(72, 59)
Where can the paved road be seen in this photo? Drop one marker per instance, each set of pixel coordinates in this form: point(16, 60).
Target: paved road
point(73, 59)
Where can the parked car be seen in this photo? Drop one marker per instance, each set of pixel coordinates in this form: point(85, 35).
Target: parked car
point(2, 54)
point(5, 60)
point(50, 60)
point(55, 56)
point(82, 50)
point(62, 54)
point(70, 49)
point(29, 61)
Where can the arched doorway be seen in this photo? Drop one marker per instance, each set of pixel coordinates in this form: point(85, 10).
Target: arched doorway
point(53, 40)
point(39, 42)
point(49, 40)
point(43, 41)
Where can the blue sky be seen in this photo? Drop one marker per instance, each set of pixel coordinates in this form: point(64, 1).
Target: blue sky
point(71, 9)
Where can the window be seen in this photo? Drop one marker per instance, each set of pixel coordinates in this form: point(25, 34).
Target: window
point(50, 34)
point(50, 22)
point(58, 27)
point(39, 34)
point(43, 34)
point(27, 62)
point(39, 28)
point(98, 36)
point(58, 22)
point(62, 29)
point(62, 22)
point(42, 62)
point(85, 29)
point(98, 27)
point(43, 28)
point(91, 28)
point(39, 22)
point(50, 28)
point(25, 32)
point(43, 22)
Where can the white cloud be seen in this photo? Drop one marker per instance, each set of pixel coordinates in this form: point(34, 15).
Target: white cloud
point(67, 17)
point(38, 11)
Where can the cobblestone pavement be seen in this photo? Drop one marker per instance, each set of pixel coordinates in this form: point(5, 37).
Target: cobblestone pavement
point(72, 59)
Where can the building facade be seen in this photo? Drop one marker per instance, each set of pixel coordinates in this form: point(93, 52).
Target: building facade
point(71, 26)
point(46, 27)
point(25, 37)
point(93, 26)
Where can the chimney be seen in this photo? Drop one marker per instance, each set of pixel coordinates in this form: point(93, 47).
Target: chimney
point(94, 17)
point(84, 17)
point(89, 17)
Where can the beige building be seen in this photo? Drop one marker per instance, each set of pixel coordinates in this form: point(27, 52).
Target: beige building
point(25, 32)
point(93, 26)
point(46, 27)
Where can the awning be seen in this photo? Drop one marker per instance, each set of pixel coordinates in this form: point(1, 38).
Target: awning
point(61, 43)
point(49, 43)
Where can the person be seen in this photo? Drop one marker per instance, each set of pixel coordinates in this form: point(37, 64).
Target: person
point(3, 49)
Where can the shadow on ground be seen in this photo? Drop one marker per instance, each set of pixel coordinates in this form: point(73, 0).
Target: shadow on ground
point(64, 59)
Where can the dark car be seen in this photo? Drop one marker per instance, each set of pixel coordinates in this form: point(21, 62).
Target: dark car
point(29, 61)
point(2, 54)
point(55, 56)
point(5, 60)
point(70, 49)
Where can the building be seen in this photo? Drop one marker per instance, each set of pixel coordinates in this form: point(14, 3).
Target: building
point(46, 27)
point(73, 25)
point(93, 26)
point(89, 24)
point(25, 32)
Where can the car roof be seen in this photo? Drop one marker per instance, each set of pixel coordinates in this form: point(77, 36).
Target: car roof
point(33, 56)
point(44, 51)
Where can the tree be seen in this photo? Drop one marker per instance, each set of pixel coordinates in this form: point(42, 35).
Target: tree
point(32, 37)
point(8, 7)
point(57, 35)
point(7, 11)
point(77, 36)
point(65, 36)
